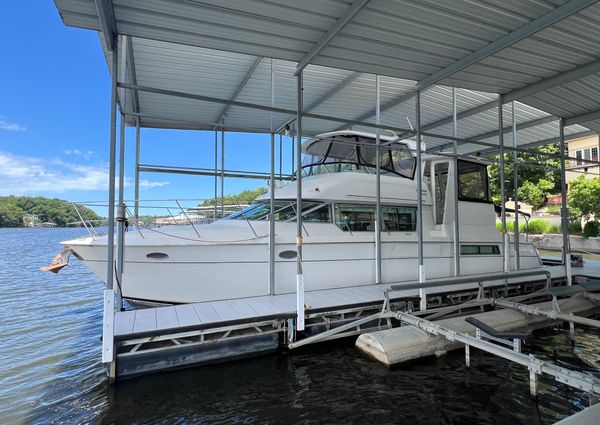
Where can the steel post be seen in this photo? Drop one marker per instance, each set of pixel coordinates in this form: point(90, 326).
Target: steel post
point(136, 201)
point(502, 189)
point(112, 171)
point(272, 220)
point(280, 157)
point(293, 152)
point(377, 187)
point(299, 274)
point(216, 171)
point(272, 193)
point(456, 209)
point(419, 177)
point(564, 212)
point(121, 210)
point(515, 190)
point(222, 172)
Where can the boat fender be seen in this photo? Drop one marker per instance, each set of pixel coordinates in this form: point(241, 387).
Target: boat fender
point(59, 262)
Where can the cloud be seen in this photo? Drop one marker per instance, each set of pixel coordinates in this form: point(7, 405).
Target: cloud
point(26, 175)
point(76, 152)
point(21, 175)
point(146, 184)
point(10, 126)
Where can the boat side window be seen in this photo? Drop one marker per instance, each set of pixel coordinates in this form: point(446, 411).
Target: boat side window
point(318, 214)
point(361, 218)
point(472, 182)
point(479, 250)
point(399, 219)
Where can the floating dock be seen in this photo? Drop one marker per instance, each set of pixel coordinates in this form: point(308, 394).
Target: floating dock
point(161, 338)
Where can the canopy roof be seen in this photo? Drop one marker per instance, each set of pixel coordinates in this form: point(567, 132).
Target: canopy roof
point(544, 54)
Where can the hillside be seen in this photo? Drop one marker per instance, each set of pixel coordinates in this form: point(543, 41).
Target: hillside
point(14, 209)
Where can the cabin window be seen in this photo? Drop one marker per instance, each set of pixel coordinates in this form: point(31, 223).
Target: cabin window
point(472, 182)
point(314, 212)
point(479, 250)
point(361, 218)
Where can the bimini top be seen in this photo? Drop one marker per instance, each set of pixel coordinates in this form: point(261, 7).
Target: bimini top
point(356, 151)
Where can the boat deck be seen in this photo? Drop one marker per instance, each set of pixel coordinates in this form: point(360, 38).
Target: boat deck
point(180, 318)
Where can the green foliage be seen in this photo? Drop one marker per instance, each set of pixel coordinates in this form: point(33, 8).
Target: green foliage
point(242, 198)
point(534, 182)
point(554, 209)
point(591, 229)
point(536, 226)
point(584, 197)
point(14, 208)
point(575, 227)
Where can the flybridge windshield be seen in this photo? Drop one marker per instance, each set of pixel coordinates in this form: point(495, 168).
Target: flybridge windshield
point(338, 154)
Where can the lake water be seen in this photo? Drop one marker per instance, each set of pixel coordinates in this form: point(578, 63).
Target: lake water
point(50, 370)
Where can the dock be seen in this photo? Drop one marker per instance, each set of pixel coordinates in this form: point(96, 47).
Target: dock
point(155, 339)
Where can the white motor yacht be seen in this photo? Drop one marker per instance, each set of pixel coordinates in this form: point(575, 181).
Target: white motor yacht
point(230, 257)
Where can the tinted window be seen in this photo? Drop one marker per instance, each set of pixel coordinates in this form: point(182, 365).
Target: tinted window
point(361, 218)
point(472, 182)
point(479, 250)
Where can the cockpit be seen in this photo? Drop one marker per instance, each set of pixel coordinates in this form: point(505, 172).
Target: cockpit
point(356, 153)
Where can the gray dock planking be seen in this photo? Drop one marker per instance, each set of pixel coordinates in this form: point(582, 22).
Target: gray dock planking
point(212, 314)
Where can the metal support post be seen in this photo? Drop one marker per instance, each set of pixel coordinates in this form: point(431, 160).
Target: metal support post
point(272, 194)
point(564, 212)
point(136, 202)
point(112, 172)
point(299, 274)
point(272, 220)
point(502, 189)
point(422, 291)
point(216, 171)
point(467, 355)
point(280, 157)
point(121, 215)
point(222, 172)
point(378, 186)
point(456, 209)
point(293, 152)
point(515, 190)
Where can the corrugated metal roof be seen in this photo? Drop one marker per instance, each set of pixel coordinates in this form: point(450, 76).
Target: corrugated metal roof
point(219, 48)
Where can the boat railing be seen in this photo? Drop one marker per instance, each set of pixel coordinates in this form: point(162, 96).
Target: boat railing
point(157, 213)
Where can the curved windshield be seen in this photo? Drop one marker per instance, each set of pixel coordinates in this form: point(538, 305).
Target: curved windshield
point(358, 154)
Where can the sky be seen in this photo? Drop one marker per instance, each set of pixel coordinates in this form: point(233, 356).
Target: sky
point(54, 121)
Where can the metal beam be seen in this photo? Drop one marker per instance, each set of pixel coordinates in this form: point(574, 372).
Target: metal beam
point(348, 80)
point(579, 118)
point(507, 129)
point(240, 87)
point(130, 59)
point(548, 83)
point(255, 106)
point(194, 171)
point(508, 40)
point(337, 26)
point(525, 147)
point(108, 25)
point(394, 102)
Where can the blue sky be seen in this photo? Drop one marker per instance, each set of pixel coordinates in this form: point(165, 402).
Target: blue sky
point(54, 120)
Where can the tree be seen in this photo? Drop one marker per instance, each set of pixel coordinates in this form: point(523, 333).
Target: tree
point(242, 198)
point(14, 208)
point(584, 198)
point(545, 175)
